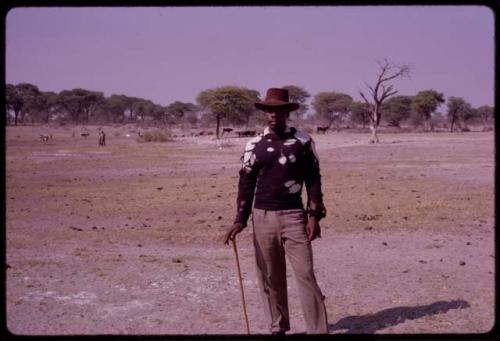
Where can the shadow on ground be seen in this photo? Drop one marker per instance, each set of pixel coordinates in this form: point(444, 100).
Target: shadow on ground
point(369, 324)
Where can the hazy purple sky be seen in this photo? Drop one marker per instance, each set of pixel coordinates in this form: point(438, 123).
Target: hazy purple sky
point(173, 53)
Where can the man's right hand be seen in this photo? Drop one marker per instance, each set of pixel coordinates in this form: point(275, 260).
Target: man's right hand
point(232, 232)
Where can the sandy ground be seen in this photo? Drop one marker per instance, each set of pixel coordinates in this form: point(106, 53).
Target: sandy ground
point(125, 239)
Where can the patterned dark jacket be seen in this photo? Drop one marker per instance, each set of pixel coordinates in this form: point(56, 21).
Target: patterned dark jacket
point(274, 170)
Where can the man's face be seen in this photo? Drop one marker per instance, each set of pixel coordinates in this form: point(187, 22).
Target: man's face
point(276, 118)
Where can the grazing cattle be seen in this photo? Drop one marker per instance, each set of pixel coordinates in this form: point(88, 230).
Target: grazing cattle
point(226, 130)
point(86, 134)
point(322, 129)
point(246, 133)
point(204, 133)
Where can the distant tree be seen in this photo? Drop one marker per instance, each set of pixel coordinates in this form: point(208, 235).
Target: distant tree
point(258, 119)
point(234, 104)
point(43, 106)
point(80, 104)
point(298, 95)
point(486, 114)
point(396, 109)
point(117, 106)
point(19, 98)
point(141, 108)
point(136, 107)
point(14, 102)
point(458, 111)
point(159, 114)
point(126, 108)
point(157, 111)
point(424, 104)
point(332, 106)
point(191, 118)
point(359, 112)
point(102, 115)
point(379, 92)
point(245, 107)
point(438, 119)
point(178, 110)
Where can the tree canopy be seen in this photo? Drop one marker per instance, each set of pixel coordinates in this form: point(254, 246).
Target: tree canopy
point(230, 103)
point(43, 106)
point(359, 112)
point(332, 106)
point(396, 109)
point(233, 105)
point(297, 94)
point(80, 104)
point(424, 104)
point(178, 110)
point(486, 114)
point(459, 111)
point(20, 99)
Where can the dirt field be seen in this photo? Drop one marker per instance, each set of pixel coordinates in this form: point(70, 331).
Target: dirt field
point(125, 239)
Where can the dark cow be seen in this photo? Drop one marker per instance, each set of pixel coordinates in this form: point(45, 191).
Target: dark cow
point(322, 129)
point(246, 133)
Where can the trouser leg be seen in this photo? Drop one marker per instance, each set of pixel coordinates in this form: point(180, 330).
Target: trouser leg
point(271, 269)
point(299, 252)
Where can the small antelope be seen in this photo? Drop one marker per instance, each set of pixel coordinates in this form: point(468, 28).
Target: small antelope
point(86, 134)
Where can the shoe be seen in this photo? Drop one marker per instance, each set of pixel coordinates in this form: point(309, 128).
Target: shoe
point(281, 332)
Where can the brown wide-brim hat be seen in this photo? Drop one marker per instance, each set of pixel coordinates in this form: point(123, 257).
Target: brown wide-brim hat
point(276, 97)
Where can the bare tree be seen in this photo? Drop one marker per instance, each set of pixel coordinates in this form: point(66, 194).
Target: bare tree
point(381, 91)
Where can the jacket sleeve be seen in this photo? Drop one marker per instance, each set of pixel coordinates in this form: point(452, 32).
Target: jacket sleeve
point(246, 185)
point(313, 181)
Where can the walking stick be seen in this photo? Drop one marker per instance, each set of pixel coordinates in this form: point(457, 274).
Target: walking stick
point(241, 285)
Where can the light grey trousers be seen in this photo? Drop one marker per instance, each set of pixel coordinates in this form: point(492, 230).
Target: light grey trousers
point(277, 233)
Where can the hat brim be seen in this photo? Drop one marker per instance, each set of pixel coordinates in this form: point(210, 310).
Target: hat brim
point(273, 105)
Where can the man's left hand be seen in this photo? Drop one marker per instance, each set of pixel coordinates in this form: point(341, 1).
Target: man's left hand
point(312, 228)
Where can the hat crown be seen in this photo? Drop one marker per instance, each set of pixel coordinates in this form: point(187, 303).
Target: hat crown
point(277, 95)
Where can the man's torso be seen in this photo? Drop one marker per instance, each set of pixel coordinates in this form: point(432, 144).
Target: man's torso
point(280, 163)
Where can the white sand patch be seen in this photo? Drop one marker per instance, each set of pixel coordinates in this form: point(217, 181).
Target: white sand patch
point(80, 298)
point(115, 309)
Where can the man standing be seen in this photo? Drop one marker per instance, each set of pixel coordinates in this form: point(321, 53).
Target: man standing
point(102, 138)
point(276, 164)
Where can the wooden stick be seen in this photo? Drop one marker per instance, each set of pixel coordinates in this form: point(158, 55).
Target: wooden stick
point(241, 285)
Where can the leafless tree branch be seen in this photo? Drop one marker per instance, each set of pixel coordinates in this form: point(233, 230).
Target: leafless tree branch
point(363, 96)
point(381, 90)
point(387, 94)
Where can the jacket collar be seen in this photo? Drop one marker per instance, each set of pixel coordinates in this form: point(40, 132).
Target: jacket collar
point(267, 131)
